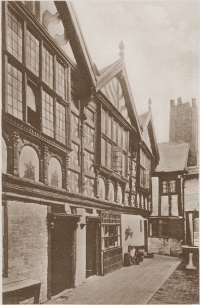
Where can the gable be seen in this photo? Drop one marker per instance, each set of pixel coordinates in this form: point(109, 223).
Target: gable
point(147, 140)
point(113, 91)
point(51, 20)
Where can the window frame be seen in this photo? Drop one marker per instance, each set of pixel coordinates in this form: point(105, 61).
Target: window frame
point(28, 75)
point(168, 182)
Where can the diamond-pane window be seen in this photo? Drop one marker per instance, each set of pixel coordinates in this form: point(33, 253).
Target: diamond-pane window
point(14, 89)
point(47, 67)
point(47, 114)
point(32, 53)
point(60, 123)
point(14, 36)
point(60, 80)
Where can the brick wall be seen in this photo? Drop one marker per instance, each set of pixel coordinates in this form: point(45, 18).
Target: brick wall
point(164, 246)
point(27, 242)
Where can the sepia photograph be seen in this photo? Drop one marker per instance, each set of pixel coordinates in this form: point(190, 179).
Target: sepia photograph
point(100, 165)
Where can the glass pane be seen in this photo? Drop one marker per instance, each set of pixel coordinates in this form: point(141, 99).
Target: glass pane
point(47, 114)
point(32, 53)
point(60, 123)
point(47, 67)
point(14, 36)
point(14, 86)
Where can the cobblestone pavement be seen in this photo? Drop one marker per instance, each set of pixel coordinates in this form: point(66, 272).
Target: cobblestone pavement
point(182, 287)
point(136, 284)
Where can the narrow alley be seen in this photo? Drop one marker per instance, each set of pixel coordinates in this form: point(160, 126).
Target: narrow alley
point(136, 284)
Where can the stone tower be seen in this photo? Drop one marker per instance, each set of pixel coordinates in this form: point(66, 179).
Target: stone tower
point(184, 127)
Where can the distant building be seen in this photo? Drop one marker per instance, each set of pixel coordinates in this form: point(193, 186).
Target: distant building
point(184, 127)
point(175, 184)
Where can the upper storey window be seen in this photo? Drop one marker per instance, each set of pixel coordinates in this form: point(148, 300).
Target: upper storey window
point(14, 91)
point(32, 53)
point(114, 144)
point(169, 186)
point(47, 67)
point(145, 167)
point(60, 80)
point(38, 71)
point(14, 36)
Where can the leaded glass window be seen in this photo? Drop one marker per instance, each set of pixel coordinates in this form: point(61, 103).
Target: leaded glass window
point(89, 135)
point(109, 155)
point(73, 181)
point(60, 80)
point(103, 152)
point(47, 67)
point(108, 127)
point(114, 134)
point(60, 123)
point(14, 88)
point(102, 189)
point(89, 187)
point(89, 161)
point(169, 186)
point(74, 155)
point(14, 36)
point(103, 121)
point(32, 53)
point(47, 114)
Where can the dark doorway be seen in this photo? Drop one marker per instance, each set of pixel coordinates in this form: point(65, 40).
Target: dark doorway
point(145, 236)
point(93, 247)
point(62, 254)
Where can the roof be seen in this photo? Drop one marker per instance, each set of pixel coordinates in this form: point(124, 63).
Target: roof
point(173, 157)
point(143, 118)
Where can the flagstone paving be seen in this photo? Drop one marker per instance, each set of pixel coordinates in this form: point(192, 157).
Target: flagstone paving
point(136, 284)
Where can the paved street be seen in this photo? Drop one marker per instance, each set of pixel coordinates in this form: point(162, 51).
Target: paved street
point(136, 284)
point(182, 287)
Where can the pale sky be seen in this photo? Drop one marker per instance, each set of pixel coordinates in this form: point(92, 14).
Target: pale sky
point(161, 40)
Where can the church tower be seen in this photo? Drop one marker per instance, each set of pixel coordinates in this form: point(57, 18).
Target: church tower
point(184, 127)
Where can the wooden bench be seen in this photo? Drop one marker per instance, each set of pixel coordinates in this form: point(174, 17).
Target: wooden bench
point(19, 288)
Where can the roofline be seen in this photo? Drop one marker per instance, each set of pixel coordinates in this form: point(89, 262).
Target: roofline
point(109, 73)
point(76, 32)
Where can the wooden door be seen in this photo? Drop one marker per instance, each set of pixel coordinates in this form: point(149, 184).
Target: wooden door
point(93, 250)
point(62, 237)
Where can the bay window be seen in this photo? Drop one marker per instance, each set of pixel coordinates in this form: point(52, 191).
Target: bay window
point(113, 144)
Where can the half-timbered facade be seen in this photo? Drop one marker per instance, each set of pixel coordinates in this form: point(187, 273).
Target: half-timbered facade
point(75, 162)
